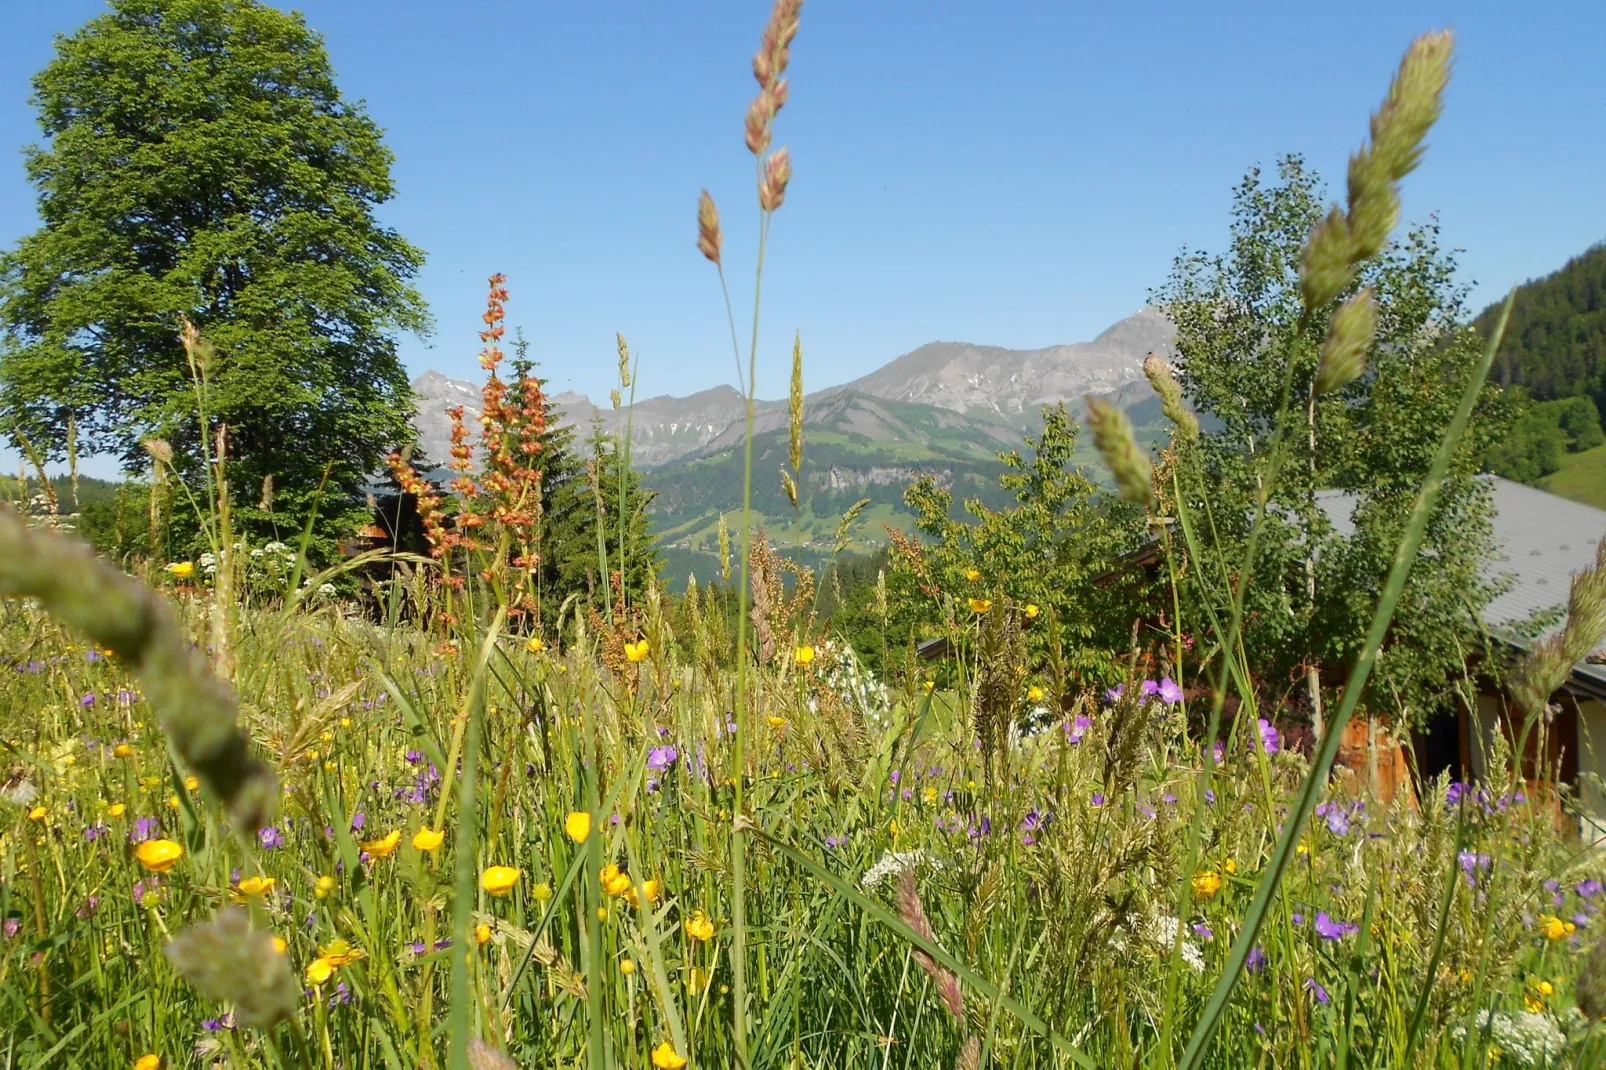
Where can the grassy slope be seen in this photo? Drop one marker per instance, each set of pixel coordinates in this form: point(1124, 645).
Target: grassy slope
point(1582, 477)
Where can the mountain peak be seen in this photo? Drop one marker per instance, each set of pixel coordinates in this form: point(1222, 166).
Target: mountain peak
point(1001, 385)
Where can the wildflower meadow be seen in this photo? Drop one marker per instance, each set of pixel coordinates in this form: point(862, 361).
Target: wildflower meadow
point(400, 809)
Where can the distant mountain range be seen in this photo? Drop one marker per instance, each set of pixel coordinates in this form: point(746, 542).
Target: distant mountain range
point(946, 409)
point(999, 389)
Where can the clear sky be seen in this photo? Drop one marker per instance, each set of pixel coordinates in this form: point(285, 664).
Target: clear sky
point(1008, 173)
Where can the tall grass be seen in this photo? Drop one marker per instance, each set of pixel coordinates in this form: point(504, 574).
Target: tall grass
point(647, 848)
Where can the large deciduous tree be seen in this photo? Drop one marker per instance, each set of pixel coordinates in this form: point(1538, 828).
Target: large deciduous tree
point(199, 162)
point(1239, 336)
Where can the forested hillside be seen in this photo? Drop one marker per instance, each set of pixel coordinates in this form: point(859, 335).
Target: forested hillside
point(1554, 358)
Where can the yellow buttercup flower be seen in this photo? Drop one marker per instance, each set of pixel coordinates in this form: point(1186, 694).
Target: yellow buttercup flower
point(1206, 883)
point(340, 953)
point(543, 892)
point(482, 934)
point(980, 605)
point(627, 966)
point(323, 886)
point(116, 810)
point(499, 880)
point(776, 722)
point(151, 781)
point(191, 783)
point(1034, 694)
point(929, 684)
point(577, 825)
point(637, 651)
point(1553, 927)
point(279, 945)
point(602, 913)
point(383, 848)
point(427, 839)
point(122, 750)
point(650, 888)
point(182, 570)
point(699, 927)
point(805, 655)
point(172, 802)
point(255, 885)
point(534, 645)
point(148, 1062)
point(1545, 988)
point(665, 1057)
point(972, 574)
point(1032, 611)
point(38, 813)
point(1230, 865)
point(319, 970)
point(158, 856)
point(615, 881)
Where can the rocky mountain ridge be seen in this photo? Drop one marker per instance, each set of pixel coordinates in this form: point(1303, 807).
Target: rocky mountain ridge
point(996, 392)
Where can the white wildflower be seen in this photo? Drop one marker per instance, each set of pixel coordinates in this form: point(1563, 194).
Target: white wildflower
point(1527, 1039)
point(893, 863)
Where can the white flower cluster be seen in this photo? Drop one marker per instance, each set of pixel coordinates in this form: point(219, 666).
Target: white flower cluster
point(854, 684)
point(893, 863)
point(208, 563)
point(1527, 1039)
point(1158, 933)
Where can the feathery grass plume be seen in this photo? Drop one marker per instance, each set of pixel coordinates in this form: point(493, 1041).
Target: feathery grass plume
point(159, 449)
point(1000, 681)
point(229, 962)
point(1341, 241)
point(777, 173)
point(1165, 384)
point(724, 550)
point(1548, 662)
point(1349, 336)
point(1112, 435)
point(769, 63)
point(1327, 262)
point(709, 236)
point(914, 916)
point(200, 353)
point(624, 360)
point(794, 407)
point(844, 527)
point(789, 487)
point(969, 1055)
point(197, 709)
point(265, 500)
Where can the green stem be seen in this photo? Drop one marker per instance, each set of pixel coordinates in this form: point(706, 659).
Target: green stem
point(1404, 557)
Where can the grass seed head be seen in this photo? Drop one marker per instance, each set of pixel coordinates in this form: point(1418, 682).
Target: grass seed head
point(709, 238)
point(1349, 336)
point(1113, 435)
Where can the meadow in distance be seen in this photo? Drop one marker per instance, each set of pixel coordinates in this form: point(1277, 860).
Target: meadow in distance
point(269, 805)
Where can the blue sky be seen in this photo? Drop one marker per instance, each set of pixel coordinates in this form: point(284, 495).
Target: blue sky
point(1009, 173)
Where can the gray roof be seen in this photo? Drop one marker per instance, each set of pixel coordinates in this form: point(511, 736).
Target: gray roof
point(1543, 541)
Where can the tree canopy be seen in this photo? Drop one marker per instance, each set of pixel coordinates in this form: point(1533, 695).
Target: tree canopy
point(1242, 334)
point(200, 163)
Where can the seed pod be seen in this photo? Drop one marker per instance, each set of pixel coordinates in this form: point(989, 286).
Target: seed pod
point(1112, 435)
point(1327, 262)
point(709, 238)
point(777, 173)
point(1165, 384)
point(1349, 336)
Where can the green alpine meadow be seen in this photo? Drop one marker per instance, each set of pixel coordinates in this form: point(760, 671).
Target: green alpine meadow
point(1220, 692)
